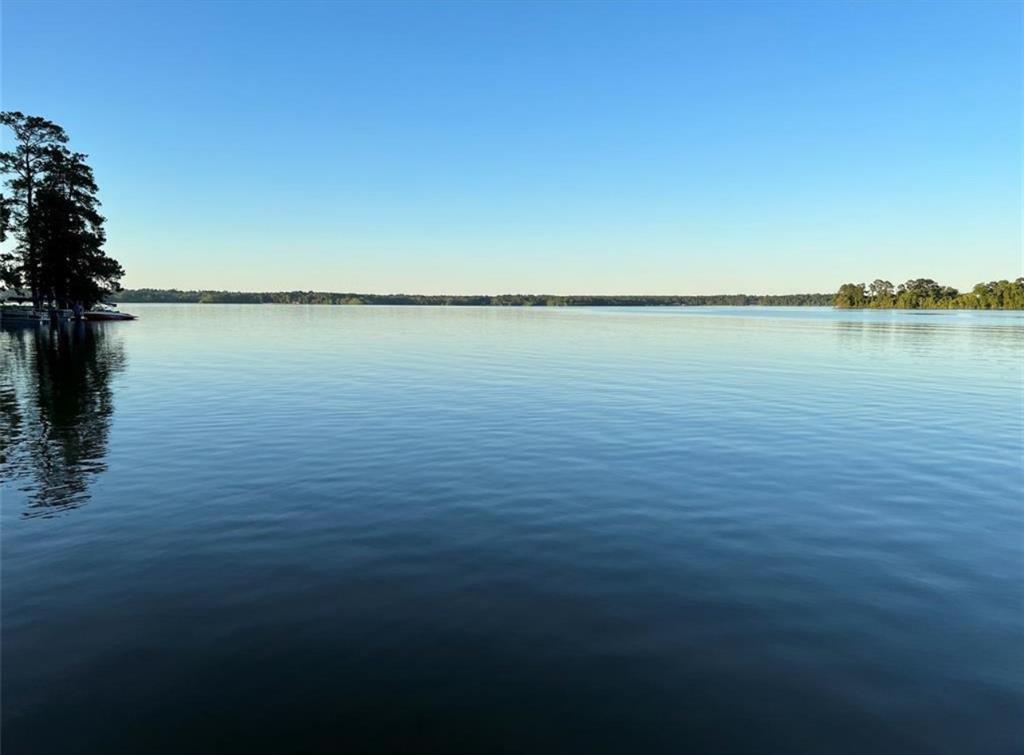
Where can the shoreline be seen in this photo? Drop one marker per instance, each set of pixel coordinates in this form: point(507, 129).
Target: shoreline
point(174, 296)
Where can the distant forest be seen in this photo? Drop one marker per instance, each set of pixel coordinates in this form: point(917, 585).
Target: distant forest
point(924, 293)
point(502, 300)
point(920, 293)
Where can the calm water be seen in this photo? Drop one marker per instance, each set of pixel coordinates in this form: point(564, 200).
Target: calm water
point(246, 529)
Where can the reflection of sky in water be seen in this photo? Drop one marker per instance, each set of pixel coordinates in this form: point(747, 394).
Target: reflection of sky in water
point(651, 523)
point(192, 363)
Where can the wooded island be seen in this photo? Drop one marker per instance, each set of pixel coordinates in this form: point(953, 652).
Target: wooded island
point(924, 293)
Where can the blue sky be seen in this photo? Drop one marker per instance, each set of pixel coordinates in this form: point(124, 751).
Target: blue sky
point(542, 147)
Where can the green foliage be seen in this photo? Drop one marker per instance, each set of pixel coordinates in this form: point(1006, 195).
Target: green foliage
point(851, 295)
point(882, 293)
point(502, 300)
point(1001, 294)
point(924, 293)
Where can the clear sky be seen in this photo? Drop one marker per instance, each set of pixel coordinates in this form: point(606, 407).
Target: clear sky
point(559, 147)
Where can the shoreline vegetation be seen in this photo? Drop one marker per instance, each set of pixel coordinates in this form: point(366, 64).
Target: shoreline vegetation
point(921, 293)
point(175, 296)
point(924, 293)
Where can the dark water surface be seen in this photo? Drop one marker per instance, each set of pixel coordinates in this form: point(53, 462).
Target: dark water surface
point(259, 529)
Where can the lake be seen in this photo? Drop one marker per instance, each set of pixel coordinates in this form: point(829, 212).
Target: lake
point(287, 529)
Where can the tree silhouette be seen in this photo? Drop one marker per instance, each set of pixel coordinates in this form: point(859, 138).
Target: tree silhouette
point(53, 213)
point(56, 403)
point(70, 233)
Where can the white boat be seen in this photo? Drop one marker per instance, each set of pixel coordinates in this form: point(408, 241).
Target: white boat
point(17, 307)
point(105, 313)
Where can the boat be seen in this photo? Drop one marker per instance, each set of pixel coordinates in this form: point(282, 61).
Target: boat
point(21, 314)
point(17, 307)
point(106, 313)
point(26, 314)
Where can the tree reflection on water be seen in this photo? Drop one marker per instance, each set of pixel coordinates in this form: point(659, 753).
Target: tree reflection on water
point(56, 405)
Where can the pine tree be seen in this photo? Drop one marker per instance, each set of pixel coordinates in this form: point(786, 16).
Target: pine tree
point(25, 169)
point(53, 214)
point(70, 235)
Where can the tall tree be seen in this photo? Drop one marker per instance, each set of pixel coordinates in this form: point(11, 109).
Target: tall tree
point(919, 292)
point(882, 293)
point(850, 295)
point(8, 269)
point(70, 235)
point(25, 167)
point(54, 217)
point(5, 217)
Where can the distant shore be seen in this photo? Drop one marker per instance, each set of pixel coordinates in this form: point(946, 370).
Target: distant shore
point(175, 296)
point(919, 293)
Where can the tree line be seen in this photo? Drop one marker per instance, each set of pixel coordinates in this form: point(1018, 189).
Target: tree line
point(502, 300)
point(50, 210)
point(921, 293)
point(924, 293)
